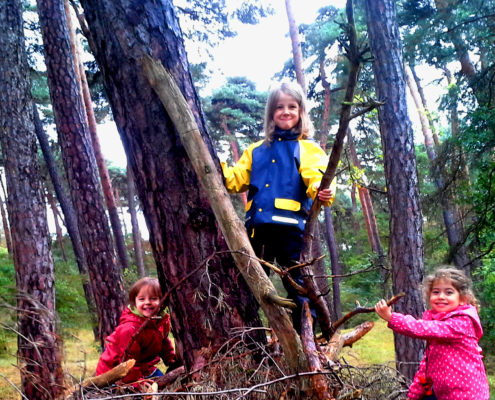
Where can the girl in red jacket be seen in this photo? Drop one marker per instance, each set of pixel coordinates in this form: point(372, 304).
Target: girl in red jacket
point(452, 363)
point(151, 344)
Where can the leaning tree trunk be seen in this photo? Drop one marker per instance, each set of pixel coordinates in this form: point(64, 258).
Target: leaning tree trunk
point(183, 232)
point(38, 354)
point(406, 245)
point(79, 162)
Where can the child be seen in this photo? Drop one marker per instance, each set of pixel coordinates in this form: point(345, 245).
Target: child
point(452, 362)
point(151, 344)
point(282, 174)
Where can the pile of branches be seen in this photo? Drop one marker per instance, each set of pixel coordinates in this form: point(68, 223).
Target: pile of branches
point(245, 369)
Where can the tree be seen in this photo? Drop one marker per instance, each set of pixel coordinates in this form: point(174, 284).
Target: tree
point(38, 352)
point(406, 246)
point(182, 228)
point(296, 46)
point(80, 166)
point(106, 184)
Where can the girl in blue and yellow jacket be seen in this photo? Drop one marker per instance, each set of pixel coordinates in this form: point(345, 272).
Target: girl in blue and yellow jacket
point(282, 174)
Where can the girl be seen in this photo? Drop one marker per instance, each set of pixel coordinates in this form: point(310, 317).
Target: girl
point(151, 344)
point(452, 363)
point(282, 174)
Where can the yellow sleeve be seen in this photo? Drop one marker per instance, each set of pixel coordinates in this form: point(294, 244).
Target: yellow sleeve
point(314, 162)
point(237, 178)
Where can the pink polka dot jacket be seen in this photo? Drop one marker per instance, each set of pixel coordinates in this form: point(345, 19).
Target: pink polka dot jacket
point(453, 356)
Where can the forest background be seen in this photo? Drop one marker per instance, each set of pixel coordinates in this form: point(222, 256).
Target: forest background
point(453, 144)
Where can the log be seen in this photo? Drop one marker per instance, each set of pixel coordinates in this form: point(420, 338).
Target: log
point(106, 379)
point(232, 228)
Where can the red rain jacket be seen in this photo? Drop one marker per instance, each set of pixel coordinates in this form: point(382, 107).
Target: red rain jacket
point(147, 348)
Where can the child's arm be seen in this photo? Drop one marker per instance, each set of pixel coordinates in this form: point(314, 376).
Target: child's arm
point(417, 390)
point(313, 164)
point(237, 178)
point(453, 328)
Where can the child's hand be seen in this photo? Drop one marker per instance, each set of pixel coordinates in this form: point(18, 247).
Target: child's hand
point(325, 195)
point(383, 310)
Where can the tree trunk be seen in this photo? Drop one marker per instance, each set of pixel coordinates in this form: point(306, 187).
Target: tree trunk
point(38, 345)
point(182, 228)
point(106, 183)
point(296, 46)
point(58, 229)
point(406, 246)
point(79, 162)
point(335, 265)
point(5, 223)
point(136, 233)
point(452, 220)
point(71, 223)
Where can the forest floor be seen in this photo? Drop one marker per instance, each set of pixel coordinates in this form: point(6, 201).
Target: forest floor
point(81, 356)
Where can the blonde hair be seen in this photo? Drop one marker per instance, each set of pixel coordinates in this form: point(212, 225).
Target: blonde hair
point(456, 278)
point(304, 126)
point(152, 285)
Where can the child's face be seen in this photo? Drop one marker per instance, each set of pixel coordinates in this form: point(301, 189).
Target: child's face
point(287, 112)
point(147, 301)
point(444, 297)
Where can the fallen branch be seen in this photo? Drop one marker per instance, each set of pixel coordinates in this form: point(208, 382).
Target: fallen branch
point(106, 379)
point(362, 310)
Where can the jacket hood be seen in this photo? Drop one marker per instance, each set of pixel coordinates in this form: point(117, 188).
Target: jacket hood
point(130, 315)
point(465, 309)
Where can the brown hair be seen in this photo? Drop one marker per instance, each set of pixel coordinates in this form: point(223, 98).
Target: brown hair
point(152, 284)
point(304, 126)
point(456, 278)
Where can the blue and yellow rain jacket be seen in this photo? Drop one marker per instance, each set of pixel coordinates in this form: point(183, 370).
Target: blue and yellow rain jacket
point(282, 178)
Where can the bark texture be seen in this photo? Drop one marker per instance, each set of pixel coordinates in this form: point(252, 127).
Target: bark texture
point(406, 245)
point(39, 358)
point(79, 163)
point(183, 233)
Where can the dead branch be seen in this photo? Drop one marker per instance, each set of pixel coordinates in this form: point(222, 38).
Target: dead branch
point(362, 310)
point(106, 379)
point(357, 333)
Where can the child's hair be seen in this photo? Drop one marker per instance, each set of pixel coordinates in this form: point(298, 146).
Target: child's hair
point(456, 278)
point(304, 126)
point(152, 283)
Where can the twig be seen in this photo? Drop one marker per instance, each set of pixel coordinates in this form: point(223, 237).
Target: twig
point(362, 310)
point(14, 386)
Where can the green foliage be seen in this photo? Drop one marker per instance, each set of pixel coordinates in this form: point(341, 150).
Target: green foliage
point(484, 278)
point(235, 113)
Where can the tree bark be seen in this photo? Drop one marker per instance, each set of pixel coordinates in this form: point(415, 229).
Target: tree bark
point(136, 232)
point(79, 162)
point(296, 46)
point(106, 183)
point(335, 265)
point(38, 345)
point(182, 228)
point(406, 246)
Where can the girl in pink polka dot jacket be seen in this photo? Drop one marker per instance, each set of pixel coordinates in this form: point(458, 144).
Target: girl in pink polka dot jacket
point(452, 363)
